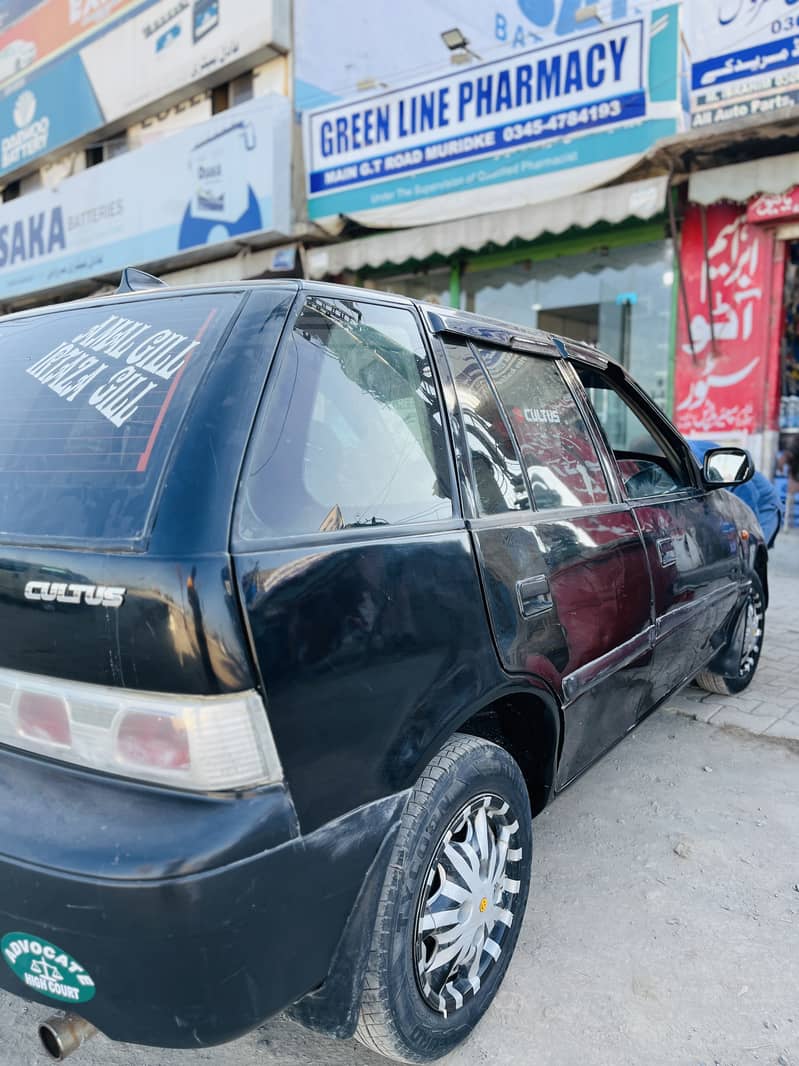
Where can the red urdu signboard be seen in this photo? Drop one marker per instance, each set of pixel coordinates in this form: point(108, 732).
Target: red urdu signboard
point(723, 385)
point(774, 207)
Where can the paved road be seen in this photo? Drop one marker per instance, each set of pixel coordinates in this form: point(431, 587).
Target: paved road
point(770, 705)
point(663, 926)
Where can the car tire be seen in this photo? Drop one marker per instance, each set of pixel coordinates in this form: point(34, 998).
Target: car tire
point(451, 905)
point(753, 617)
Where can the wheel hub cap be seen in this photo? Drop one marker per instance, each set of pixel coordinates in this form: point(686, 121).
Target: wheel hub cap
point(467, 903)
point(752, 634)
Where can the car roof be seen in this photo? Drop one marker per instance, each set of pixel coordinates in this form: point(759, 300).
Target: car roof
point(439, 319)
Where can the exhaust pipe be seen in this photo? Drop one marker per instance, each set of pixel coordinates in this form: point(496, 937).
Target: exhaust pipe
point(64, 1033)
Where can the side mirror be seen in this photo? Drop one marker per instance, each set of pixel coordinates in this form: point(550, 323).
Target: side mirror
point(726, 467)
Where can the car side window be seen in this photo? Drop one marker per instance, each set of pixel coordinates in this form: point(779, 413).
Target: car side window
point(562, 464)
point(351, 433)
point(496, 470)
point(648, 467)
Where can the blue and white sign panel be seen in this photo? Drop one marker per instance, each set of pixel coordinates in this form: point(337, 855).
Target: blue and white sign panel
point(68, 67)
point(423, 151)
point(565, 88)
point(217, 181)
point(744, 58)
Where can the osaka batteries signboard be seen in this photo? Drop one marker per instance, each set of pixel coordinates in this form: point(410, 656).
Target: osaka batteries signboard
point(430, 150)
point(78, 65)
point(744, 58)
point(222, 179)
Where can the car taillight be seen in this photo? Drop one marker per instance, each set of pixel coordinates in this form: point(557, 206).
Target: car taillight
point(153, 740)
point(43, 717)
point(202, 743)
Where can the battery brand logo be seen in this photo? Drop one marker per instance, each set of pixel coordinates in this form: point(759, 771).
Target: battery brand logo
point(24, 109)
point(90, 595)
point(31, 136)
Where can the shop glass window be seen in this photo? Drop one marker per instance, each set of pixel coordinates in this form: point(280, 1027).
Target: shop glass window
point(496, 470)
point(617, 298)
point(556, 448)
point(429, 286)
point(648, 467)
point(352, 433)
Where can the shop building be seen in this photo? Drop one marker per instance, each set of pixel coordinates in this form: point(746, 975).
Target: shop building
point(562, 165)
point(597, 267)
point(736, 169)
point(646, 237)
point(143, 133)
point(736, 361)
point(496, 177)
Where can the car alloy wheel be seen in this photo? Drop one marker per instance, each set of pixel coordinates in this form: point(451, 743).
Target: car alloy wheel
point(467, 903)
point(451, 905)
point(753, 624)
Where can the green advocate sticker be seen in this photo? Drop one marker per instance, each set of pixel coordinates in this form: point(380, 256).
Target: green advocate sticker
point(46, 969)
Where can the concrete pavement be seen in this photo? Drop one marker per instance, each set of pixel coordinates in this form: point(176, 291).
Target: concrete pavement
point(770, 706)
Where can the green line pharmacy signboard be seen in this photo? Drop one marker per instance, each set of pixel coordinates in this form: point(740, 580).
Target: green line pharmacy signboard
point(399, 131)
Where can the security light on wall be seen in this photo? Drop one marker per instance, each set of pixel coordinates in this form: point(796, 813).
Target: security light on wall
point(454, 39)
point(588, 13)
point(366, 85)
point(458, 46)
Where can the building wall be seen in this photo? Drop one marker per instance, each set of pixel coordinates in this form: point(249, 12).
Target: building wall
point(93, 110)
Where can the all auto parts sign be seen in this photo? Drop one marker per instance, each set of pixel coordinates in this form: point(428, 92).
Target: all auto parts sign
point(744, 58)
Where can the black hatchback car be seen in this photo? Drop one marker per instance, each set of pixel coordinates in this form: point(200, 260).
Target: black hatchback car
point(311, 598)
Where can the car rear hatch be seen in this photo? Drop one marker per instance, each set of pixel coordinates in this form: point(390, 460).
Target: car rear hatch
point(122, 425)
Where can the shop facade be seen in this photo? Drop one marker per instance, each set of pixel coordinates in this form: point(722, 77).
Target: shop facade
point(737, 353)
point(688, 292)
point(611, 284)
point(183, 168)
point(495, 177)
point(166, 203)
point(611, 288)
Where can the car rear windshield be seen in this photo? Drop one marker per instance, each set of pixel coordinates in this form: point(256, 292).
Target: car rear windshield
point(90, 402)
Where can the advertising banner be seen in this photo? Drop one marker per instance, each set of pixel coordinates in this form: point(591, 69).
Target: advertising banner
point(744, 58)
point(774, 207)
point(32, 123)
point(115, 58)
point(34, 36)
point(173, 43)
point(583, 105)
point(222, 179)
point(722, 387)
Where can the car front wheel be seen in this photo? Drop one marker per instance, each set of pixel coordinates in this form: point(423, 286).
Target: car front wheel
point(747, 639)
point(451, 905)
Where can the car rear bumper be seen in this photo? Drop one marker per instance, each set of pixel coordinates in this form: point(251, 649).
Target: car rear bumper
point(194, 959)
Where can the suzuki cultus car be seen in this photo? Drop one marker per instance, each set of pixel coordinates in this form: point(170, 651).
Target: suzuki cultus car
point(311, 599)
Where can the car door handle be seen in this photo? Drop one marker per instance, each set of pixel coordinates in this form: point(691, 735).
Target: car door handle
point(533, 595)
point(666, 551)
